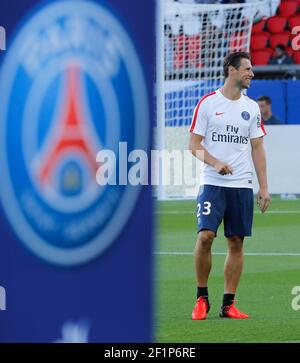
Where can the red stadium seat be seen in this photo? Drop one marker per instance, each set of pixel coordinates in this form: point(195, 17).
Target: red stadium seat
point(193, 46)
point(276, 24)
point(259, 41)
point(294, 21)
point(296, 57)
point(289, 51)
point(258, 27)
point(261, 57)
point(288, 8)
point(193, 42)
point(179, 51)
point(282, 38)
point(238, 42)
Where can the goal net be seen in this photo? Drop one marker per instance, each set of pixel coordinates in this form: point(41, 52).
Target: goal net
point(192, 40)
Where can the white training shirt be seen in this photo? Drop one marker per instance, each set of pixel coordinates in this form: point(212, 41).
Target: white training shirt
point(227, 127)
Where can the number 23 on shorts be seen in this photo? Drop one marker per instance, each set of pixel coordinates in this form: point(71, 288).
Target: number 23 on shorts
point(206, 209)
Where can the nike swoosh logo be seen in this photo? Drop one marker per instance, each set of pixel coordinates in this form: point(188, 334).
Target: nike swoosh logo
point(219, 113)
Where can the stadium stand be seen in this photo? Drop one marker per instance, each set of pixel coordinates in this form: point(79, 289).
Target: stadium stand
point(261, 57)
point(276, 24)
point(280, 38)
point(288, 8)
point(296, 57)
point(266, 34)
point(258, 27)
point(259, 41)
point(294, 21)
point(277, 30)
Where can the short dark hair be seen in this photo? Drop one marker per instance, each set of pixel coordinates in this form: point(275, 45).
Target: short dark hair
point(234, 59)
point(267, 99)
point(280, 46)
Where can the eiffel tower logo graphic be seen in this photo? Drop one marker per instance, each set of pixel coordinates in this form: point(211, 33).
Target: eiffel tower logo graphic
point(72, 135)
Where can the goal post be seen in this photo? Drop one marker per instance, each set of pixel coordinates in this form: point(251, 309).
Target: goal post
point(192, 41)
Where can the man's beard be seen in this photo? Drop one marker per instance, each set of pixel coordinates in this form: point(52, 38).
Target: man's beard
point(243, 85)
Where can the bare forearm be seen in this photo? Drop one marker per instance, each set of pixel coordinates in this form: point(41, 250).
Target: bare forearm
point(259, 161)
point(199, 151)
point(203, 155)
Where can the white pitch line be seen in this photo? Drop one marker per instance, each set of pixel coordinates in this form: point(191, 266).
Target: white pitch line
point(255, 212)
point(224, 253)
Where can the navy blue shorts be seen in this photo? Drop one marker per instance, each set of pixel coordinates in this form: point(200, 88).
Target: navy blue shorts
point(232, 205)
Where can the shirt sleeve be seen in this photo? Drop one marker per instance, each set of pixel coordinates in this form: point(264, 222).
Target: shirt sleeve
point(199, 122)
point(257, 127)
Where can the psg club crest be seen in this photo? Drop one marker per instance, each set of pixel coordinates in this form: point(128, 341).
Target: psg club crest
point(245, 115)
point(71, 85)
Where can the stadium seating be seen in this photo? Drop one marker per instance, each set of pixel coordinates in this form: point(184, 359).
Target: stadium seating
point(279, 28)
point(276, 24)
point(238, 42)
point(193, 45)
point(266, 34)
point(289, 51)
point(288, 8)
point(179, 52)
point(259, 41)
point(261, 57)
point(296, 57)
point(294, 21)
point(258, 27)
point(281, 38)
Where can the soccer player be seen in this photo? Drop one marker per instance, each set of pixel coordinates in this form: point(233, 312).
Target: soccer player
point(226, 125)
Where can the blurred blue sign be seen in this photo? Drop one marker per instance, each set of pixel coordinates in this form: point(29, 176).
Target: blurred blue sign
point(74, 262)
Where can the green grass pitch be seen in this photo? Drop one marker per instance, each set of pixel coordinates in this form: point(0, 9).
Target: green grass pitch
point(271, 270)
